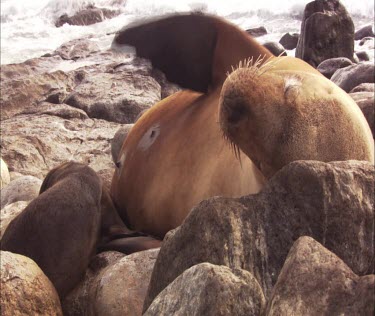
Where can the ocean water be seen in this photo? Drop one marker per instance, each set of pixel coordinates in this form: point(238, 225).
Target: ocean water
point(28, 30)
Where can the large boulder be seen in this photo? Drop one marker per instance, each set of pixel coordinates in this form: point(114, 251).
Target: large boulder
point(289, 40)
point(117, 289)
point(366, 31)
point(349, 77)
point(34, 144)
point(365, 101)
point(206, 289)
point(24, 188)
point(331, 202)
point(4, 174)
point(314, 281)
point(25, 290)
point(329, 66)
point(8, 213)
point(88, 16)
point(327, 31)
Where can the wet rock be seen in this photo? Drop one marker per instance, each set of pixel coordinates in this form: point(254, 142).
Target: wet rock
point(327, 31)
point(25, 290)
point(366, 31)
point(4, 174)
point(25, 188)
point(314, 281)
point(331, 202)
point(8, 213)
point(329, 66)
point(257, 31)
point(34, 144)
point(75, 49)
point(366, 40)
point(275, 48)
point(365, 101)
point(349, 77)
point(289, 40)
point(206, 289)
point(118, 289)
point(364, 87)
point(88, 16)
point(118, 140)
point(363, 56)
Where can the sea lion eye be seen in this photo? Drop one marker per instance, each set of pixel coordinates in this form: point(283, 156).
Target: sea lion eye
point(118, 164)
point(236, 112)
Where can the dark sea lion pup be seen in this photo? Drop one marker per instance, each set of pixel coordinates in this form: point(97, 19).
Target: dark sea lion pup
point(175, 155)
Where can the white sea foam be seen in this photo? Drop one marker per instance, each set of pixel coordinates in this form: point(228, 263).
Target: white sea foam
point(28, 30)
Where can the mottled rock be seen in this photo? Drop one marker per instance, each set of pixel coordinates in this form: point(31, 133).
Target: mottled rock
point(314, 281)
point(331, 202)
point(329, 66)
point(366, 31)
point(78, 48)
point(363, 56)
point(118, 289)
point(61, 110)
point(349, 77)
point(365, 101)
point(289, 40)
point(4, 174)
point(363, 87)
point(206, 289)
point(25, 188)
point(118, 140)
point(327, 31)
point(257, 31)
point(34, 144)
point(275, 48)
point(25, 290)
point(8, 213)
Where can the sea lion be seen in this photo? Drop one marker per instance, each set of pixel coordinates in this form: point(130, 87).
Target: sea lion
point(177, 154)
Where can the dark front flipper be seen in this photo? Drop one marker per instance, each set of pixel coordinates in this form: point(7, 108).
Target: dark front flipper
point(131, 244)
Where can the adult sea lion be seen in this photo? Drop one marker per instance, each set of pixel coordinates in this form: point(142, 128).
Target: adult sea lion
point(176, 155)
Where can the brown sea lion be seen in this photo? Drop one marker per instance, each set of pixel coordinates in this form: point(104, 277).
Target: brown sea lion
point(176, 155)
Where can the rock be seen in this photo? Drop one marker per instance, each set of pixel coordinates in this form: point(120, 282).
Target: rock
point(8, 213)
point(34, 144)
point(88, 16)
point(61, 110)
point(167, 88)
point(206, 289)
point(289, 41)
point(365, 101)
point(77, 301)
point(117, 95)
point(118, 289)
point(363, 87)
point(366, 40)
point(327, 31)
point(25, 188)
point(366, 31)
point(4, 174)
point(363, 56)
point(25, 290)
point(275, 48)
point(331, 202)
point(118, 140)
point(78, 48)
point(257, 31)
point(349, 77)
point(329, 66)
point(314, 281)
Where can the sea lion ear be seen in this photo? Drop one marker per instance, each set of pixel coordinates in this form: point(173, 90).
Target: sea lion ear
point(182, 46)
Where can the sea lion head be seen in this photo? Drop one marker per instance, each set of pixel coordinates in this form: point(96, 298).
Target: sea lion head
point(276, 115)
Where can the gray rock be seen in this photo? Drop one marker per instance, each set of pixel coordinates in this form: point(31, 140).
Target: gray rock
point(314, 281)
point(329, 66)
point(8, 213)
point(257, 31)
point(365, 101)
point(275, 48)
point(331, 202)
point(349, 77)
point(366, 31)
point(25, 290)
point(206, 289)
point(327, 31)
point(363, 87)
point(118, 140)
point(289, 40)
point(78, 48)
point(25, 188)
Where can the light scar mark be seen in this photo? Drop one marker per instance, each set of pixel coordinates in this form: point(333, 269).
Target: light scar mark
point(149, 137)
point(291, 82)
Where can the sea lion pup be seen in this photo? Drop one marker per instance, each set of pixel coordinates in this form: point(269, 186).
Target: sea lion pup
point(175, 155)
point(60, 228)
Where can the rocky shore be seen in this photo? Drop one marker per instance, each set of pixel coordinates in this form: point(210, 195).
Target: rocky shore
point(302, 246)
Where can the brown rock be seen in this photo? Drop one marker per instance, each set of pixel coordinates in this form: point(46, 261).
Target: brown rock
point(8, 213)
point(331, 202)
point(349, 77)
point(363, 87)
point(329, 66)
point(275, 48)
point(257, 31)
point(25, 290)
point(327, 31)
point(75, 49)
point(314, 281)
point(34, 144)
point(365, 101)
point(206, 289)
